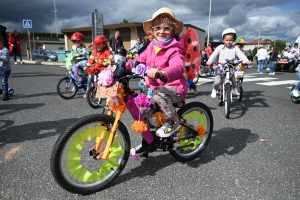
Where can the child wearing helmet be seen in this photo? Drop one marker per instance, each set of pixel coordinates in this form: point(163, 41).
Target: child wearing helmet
point(100, 58)
point(165, 56)
point(78, 55)
point(226, 51)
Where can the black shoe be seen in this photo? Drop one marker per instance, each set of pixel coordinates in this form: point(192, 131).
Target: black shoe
point(5, 97)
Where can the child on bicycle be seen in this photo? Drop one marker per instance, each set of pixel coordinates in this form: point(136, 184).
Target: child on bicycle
point(165, 56)
point(223, 52)
point(100, 58)
point(79, 52)
point(5, 68)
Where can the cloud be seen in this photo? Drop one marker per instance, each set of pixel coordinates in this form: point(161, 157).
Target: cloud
point(279, 19)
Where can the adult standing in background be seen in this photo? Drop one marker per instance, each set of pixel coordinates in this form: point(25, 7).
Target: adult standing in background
point(261, 58)
point(116, 42)
point(273, 56)
point(208, 50)
point(249, 55)
point(15, 46)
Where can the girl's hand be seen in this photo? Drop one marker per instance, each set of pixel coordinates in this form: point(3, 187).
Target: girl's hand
point(151, 72)
point(248, 63)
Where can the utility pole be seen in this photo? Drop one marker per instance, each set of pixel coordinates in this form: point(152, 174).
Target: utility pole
point(207, 41)
point(55, 19)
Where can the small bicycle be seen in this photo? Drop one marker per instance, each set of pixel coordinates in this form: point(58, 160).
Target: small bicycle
point(92, 98)
point(225, 89)
point(293, 98)
point(94, 150)
point(68, 86)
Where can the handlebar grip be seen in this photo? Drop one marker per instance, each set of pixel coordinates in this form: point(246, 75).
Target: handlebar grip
point(157, 75)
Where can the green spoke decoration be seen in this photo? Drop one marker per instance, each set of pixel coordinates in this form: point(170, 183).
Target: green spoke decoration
point(74, 166)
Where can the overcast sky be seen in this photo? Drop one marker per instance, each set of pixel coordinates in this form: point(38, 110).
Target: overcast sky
point(279, 19)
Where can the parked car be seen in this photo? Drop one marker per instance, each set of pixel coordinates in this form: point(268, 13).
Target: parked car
point(44, 54)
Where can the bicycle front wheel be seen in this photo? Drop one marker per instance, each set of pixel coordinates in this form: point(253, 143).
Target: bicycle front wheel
point(227, 100)
point(92, 100)
point(72, 165)
point(66, 88)
point(197, 116)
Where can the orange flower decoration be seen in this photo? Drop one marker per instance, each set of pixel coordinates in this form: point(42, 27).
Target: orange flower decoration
point(201, 131)
point(160, 118)
point(139, 126)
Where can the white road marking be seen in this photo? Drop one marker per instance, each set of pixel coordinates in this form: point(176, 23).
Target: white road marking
point(272, 83)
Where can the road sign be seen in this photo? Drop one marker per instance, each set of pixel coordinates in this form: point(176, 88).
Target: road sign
point(27, 23)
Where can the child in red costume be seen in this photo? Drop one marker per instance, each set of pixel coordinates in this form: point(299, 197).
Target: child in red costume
point(100, 59)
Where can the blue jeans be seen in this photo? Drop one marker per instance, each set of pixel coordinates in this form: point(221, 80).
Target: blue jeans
point(260, 65)
point(4, 80)
point(17, 53)
point(272, 66)
point(298, 84)
point(191, 84)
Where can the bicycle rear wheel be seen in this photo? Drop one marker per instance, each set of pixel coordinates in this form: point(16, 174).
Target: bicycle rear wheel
point(198, 117)
point(73, 165)
point(227, 100)
point(66, 88)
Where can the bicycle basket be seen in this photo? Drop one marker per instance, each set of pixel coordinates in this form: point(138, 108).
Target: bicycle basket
point(239, 74)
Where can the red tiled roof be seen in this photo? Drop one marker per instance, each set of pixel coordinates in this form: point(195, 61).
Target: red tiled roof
point(262, 42)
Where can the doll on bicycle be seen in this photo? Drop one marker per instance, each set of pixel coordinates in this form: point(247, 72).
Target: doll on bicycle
point(165, 56)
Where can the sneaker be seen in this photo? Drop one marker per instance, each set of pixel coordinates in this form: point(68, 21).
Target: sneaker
point(16, 63)
point(84, 96)
point(235, 92)
point(268, 69)
point(22, 62)
point(273, 73)
point(138, 150)
point(5, 97)
point(295, 93)
point(168, 128)
point(258, 70)
point(213, 93)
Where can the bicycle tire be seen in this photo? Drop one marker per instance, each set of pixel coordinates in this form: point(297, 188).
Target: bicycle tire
point(92, 100)
point(195, 114)
point(227, 100)
point(72, 166)
point(66, 88)
point(240, 89)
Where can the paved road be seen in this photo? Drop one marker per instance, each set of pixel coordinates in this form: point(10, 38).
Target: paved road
point(236, 164)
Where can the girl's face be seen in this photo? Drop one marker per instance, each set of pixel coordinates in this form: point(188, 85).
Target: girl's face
point(138, 40)
point(162, 31)
point(100, 46)
point(228, 40)
point(78, 43)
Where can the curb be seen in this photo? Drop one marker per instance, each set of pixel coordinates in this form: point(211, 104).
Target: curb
point(34, 62)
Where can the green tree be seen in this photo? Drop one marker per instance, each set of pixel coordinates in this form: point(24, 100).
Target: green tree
point(279, 44)
point(124, 21)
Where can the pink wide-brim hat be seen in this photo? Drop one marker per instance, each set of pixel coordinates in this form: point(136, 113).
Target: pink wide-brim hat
point(147, 25)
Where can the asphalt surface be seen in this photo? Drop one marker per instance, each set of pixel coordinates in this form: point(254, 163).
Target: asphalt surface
point(252, 155)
